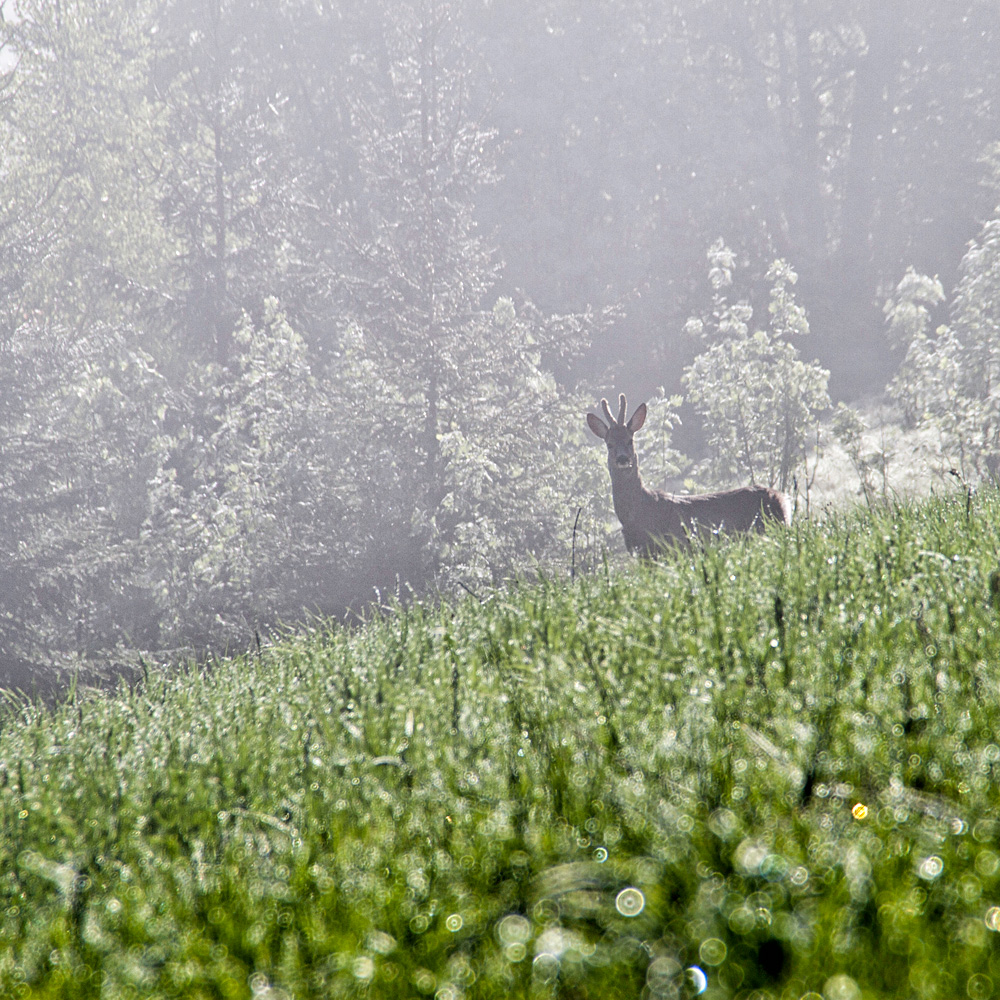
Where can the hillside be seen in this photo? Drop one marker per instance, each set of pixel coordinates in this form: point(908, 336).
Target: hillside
point(768, 768)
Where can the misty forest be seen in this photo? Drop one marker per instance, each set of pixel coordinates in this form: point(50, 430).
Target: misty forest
point(303, 302)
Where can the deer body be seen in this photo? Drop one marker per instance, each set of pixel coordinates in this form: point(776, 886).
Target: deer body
point(651, 519)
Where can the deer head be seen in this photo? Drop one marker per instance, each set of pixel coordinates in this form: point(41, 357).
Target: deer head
point(617, 434)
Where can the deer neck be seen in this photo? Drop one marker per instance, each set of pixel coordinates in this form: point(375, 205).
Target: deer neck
point(627, 491)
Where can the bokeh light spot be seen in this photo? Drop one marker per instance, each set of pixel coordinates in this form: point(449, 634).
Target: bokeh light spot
point(696, 979)
point(931, 867)
point(979, 987)
point(841, 987)
point(713, 951)
point(630, 902)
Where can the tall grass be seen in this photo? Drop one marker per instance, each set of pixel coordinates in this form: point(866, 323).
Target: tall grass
point(767, 767)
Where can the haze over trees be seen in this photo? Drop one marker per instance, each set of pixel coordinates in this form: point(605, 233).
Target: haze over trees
point(302, 299)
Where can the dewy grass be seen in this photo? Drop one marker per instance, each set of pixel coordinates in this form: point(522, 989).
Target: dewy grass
point(763, 768)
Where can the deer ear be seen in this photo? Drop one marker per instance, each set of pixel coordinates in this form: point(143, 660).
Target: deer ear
point(597, 426)
point(638, 418)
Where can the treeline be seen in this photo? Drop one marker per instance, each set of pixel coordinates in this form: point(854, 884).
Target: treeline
point(252, 358)
point(269, 338)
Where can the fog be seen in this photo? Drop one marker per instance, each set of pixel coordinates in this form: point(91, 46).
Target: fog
point(302, 303)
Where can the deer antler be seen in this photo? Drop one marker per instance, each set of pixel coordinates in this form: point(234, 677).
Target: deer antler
point(607, 412)
point(621, 409)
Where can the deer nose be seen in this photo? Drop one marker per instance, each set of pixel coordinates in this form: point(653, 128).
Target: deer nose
point(623, 461)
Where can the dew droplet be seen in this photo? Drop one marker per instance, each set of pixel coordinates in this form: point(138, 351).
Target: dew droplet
point(601, 855)
point(363, 968)
point(259, 983)
point(454, 922)
point(630, 902)
point(515, 951)
point(546, 967)
point(663, 977)
point(931, 867)
point(979, 987)
point(713, 951)
point(514, 929)
point(841, 987)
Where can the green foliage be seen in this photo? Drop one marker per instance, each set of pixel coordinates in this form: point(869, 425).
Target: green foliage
point(770, 762)
point(275, 380)
point(478, 481)
point(849, 428)
point(759, 401)
point(255, 528)
point(949, 379)
point(907, 313)
point(141, 532)
point(75, 212)
point(83, 455)
point(930, 363)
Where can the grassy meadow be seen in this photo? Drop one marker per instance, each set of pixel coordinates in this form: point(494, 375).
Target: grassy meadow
point(765, 768)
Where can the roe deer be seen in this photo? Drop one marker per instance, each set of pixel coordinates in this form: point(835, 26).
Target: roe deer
point(651, 518)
